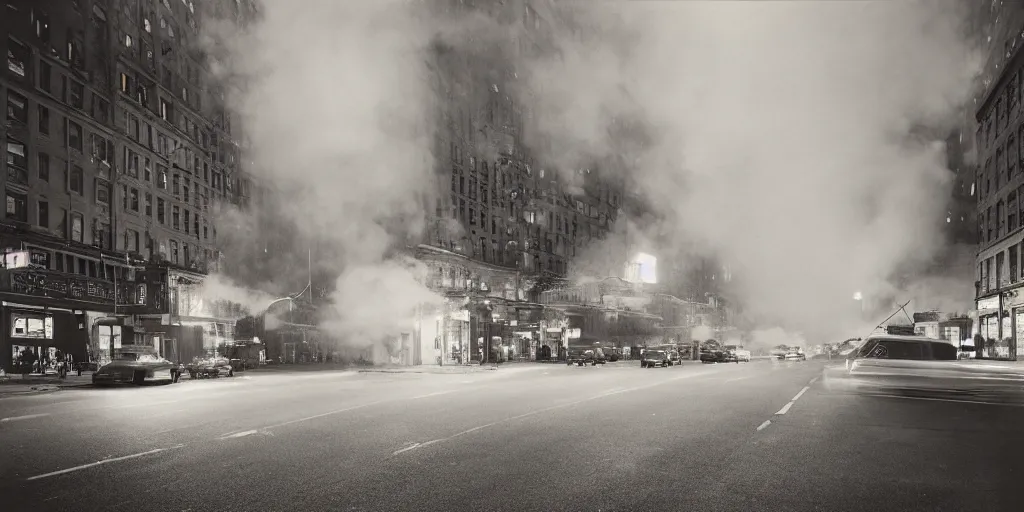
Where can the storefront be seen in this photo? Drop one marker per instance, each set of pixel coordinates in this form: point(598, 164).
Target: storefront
point(36, 338)
point(996, 326)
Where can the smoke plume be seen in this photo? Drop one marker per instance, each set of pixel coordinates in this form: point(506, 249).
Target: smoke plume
point(799, 142)
point(336, 104)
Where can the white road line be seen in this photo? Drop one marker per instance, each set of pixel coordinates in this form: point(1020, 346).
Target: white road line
point(738, 378)
point(951, 400)
point(800, 394)
point(131, 406)
point(428, 395)
point(764, 425)
point(785, 409)
point(104, 461)
point(26, 417)
point(238, 434)
point(610, 392)
point(322, 415)
point(813, 380)
point(407, 448)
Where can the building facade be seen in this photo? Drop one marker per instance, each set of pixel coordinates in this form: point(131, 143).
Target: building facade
point(999, 185)
point(116, 151)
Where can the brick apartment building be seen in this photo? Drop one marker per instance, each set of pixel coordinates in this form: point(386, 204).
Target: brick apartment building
point(116, 149)
point(999, 185)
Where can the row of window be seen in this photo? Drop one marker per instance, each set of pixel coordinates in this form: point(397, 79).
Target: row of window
point(181, 217)
point(138, 91)
point(1001, 270)
point(71, 225)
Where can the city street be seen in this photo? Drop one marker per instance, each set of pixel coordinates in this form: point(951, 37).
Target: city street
point(757, 436)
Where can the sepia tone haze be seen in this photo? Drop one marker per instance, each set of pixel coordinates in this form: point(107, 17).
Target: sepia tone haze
point(798, 143)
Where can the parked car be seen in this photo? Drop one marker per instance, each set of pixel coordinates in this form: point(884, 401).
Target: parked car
point(210, 368)
point(738, 353)
point(713, 355)
point(612, 354)
point(134, 365)
point(653, 358)
point(581, 357)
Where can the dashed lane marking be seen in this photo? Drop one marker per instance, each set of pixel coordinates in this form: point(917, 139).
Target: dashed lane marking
point(801, 393)
point(238, 434)
point(785, 408)
point(438, 393)
point(104, 461)
point(407, 448)
point(19, 418)
point(738, 379)
point(325, 414)
point(613, 391)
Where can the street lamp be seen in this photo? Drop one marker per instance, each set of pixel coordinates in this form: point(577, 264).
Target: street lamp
point(859, 297)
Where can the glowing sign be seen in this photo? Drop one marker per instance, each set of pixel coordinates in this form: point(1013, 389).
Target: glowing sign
point(642, 268)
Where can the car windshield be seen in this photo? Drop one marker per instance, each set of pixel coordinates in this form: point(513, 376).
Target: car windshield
point(655, 353)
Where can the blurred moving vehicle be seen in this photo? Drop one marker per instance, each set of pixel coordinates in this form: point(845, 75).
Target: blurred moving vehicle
point(795, 354)
point(779, 352)
point(652, 358)
point(920, 367)
point(737, 353)
point(134, 364)
point(582, 357)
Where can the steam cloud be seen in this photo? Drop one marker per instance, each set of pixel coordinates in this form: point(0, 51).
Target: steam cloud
point(336, 102)
point(796, 141)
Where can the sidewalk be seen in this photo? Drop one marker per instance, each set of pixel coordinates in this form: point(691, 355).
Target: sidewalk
point(18, 384)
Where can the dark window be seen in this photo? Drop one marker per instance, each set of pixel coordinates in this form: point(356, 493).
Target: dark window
point(41, 24)
point(17, 107)
point(16, 153)
point(161, 217)
point(17, 206)
point(74, 135)
point(45, 77)
point(44, 214)
point(76, 183)
point(76, 94)
point(102, 192)
point(17, 57)
point(44, 120)
point(43, 170)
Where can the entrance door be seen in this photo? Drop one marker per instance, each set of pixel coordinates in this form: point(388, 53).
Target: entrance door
point(168, 348)
point(289, 353)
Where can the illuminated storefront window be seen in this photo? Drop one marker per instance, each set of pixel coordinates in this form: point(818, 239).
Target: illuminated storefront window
point(31, 325)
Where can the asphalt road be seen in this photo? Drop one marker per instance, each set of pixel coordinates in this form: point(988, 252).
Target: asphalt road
point(696, 437)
